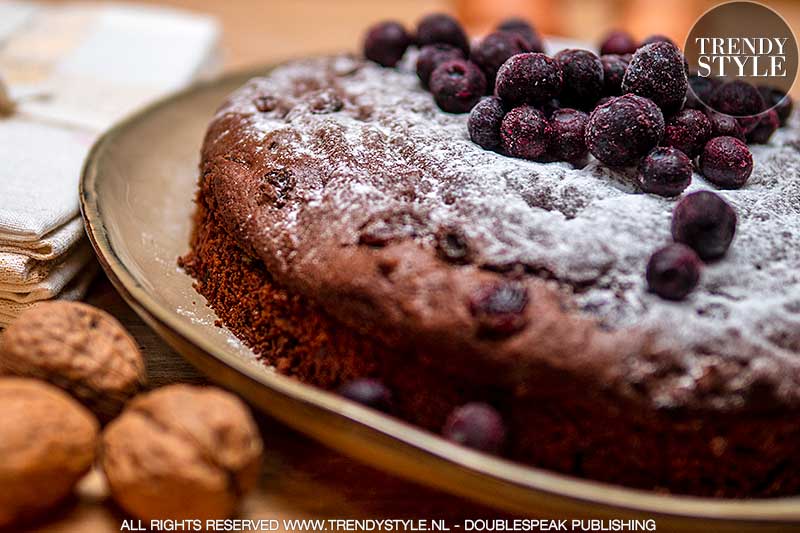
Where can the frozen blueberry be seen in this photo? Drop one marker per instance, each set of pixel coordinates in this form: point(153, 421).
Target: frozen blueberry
point(779, 100)
point(665, 171)
point(494, 50)
point(583, 78)
point(699, 92)
point(726, 162)
point(443, 29)
point(386, 42)
point(499, 308)
point(515, 24)
point(484, 123)
point(673, 271)
point(568, 140)
point(614, 67)
point(768, 122)
point(457, 85)
point(688, 131)
point(624, 129)
point(476, 425)
point(705, 222)
point(530, 78)
point(369, 392)
point(604, 100)
point(618, 42)
point(550, 107)
point(525, 132)
point(656, 71)
point(724, 126)
point(658, 38)
point(523, 28)
point(433, 55)
point(738, 99)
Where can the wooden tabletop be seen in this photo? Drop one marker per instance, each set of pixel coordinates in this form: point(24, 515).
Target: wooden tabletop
point(301, 478)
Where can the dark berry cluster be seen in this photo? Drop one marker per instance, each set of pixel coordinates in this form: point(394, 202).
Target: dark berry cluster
point(456, 74)
point(563, 107)
point(547, 100)
point(638, 95)
point(635, 104)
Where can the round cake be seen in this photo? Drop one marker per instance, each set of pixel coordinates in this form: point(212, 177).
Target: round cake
point(349, 228)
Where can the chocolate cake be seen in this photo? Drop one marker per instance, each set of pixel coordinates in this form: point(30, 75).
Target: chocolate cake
point(348, 228)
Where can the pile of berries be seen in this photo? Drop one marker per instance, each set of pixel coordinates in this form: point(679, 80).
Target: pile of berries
point(620, 106)
point(635, 105)
point(456, 74)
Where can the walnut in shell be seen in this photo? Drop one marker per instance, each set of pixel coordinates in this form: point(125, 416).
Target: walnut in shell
point(79, 348)
point(181, 452)
point(47, 443)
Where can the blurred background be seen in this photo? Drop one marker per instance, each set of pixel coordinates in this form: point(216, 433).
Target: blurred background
point(259, 31)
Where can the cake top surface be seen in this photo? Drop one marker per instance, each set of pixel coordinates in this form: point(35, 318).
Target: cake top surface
point(322, 152)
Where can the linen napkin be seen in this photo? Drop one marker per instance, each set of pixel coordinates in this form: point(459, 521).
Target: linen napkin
point(53, 283)
point(72, 70)
point(41, 166)
point(51, 246)
point(9, 309)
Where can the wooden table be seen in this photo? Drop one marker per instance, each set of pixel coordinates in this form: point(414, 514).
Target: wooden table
point(301, 478)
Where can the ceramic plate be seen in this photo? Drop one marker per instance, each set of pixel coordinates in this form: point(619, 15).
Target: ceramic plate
point(136, 194)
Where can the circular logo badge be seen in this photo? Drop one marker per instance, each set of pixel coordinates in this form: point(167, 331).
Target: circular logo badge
point(740, 42)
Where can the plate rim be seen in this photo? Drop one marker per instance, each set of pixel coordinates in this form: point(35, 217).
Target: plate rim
point(562, 490)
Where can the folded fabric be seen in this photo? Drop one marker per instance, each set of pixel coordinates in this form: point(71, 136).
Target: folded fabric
point(50, 247)
point(17, 269)
point(41, 169)
point(75, 290)
point(72, 70)
point(62, 63)
point(53, 283)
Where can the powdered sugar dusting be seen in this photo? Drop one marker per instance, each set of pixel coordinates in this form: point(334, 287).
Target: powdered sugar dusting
point(375, 142)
